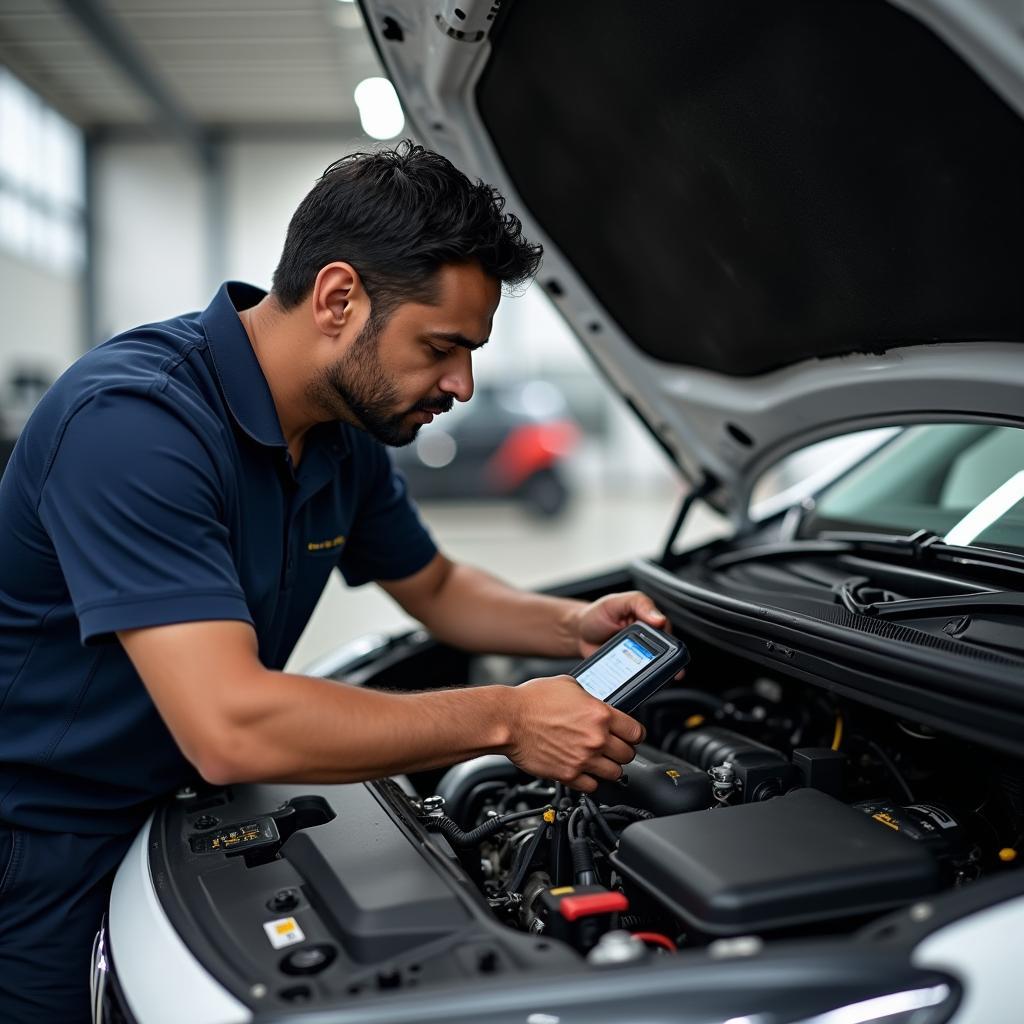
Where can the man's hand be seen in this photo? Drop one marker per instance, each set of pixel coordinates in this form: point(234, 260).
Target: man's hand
point(601, 620)
point(560, 732)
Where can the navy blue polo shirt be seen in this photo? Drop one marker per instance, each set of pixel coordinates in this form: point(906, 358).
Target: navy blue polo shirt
point(153, 485)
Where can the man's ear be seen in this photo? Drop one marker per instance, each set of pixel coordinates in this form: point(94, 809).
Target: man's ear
point(338, 298)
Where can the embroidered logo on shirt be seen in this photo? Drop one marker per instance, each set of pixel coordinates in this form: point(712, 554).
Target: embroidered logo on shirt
point(325, 545)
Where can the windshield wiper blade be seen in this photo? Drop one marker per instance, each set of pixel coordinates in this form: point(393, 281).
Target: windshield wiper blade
point(918, 548)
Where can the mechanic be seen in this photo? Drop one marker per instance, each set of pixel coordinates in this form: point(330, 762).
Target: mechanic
point(172, 512)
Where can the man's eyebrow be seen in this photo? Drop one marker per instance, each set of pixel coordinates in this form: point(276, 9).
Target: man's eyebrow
point(458, 339)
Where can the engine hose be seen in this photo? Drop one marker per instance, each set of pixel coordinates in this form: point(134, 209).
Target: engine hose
point(656, 939)
point(450, 829)
point(711, 745)
point(514, 792)
point(669, 704)
point(592, 814)
point(625, 811)
point(583, 868)
point(680, 695)
point(458, 783)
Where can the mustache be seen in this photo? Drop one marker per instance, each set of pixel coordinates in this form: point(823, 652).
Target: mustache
point(435, 405)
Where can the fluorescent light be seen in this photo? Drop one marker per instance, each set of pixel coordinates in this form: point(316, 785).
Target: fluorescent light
point(984, 514)
point(380, 113)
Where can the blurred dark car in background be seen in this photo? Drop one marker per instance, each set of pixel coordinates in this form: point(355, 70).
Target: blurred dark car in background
point(6, 446)
point(510, 442)
point(19, 394)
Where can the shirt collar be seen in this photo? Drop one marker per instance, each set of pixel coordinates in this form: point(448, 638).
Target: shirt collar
point(241, 377)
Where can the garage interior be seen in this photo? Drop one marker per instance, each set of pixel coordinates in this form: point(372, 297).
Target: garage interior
point(152, 150)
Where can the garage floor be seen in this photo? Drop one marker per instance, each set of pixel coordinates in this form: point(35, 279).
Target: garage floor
point(596, 533)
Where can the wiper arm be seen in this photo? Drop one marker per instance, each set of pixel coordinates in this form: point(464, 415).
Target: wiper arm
point(920, 547)
point(853, 591)
point(925, 546)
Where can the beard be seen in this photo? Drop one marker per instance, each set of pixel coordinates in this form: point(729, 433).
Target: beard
point(357, 385)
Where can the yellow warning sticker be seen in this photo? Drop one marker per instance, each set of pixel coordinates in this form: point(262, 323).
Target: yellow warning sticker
point(886, 819)
point(283, 932)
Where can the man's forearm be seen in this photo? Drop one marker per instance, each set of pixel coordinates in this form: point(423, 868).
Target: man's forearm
point(302, 729)
point(477, 612)
point(238, 721)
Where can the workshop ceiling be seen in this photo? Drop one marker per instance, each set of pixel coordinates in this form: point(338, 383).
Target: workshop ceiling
point(219, 64)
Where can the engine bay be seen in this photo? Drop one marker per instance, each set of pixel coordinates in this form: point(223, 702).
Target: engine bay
point(760, 811)
point(758, 805)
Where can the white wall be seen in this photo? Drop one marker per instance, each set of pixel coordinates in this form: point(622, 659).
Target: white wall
point(150, 248)
point(266, 181)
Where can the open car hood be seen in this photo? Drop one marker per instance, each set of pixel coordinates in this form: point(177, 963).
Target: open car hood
point(768, 223)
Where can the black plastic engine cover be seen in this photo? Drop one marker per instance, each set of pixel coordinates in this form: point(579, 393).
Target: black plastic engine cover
point(328, 898)
point(799, 859)
point(374, 888)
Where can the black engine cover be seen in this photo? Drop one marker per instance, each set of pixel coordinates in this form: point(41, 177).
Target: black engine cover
point(799, 859)
point(325, 898)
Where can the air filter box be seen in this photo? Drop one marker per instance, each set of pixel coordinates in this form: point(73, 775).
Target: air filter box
point(798, 859)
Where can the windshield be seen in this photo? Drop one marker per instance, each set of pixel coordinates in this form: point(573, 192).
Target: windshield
point(962, 481)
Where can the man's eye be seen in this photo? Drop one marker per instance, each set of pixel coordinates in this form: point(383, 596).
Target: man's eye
point(438, 353)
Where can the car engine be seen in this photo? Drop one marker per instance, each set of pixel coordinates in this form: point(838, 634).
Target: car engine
point(762, 806)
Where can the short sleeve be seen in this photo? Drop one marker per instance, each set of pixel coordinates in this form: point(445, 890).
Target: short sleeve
point(133, 503)
point(387, 540)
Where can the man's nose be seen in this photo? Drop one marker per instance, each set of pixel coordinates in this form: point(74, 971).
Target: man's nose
point(458, 378)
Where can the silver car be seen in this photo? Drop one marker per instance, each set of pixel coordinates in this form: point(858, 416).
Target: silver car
point(772, 225)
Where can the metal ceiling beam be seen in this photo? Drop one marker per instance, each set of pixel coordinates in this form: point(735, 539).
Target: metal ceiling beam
point(22, 64)
point(108, 34)
point(346, 132)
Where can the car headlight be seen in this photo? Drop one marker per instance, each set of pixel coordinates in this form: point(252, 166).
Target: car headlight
point(105, 999)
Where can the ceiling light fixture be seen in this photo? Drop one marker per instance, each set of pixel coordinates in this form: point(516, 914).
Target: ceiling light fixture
point(380, 113)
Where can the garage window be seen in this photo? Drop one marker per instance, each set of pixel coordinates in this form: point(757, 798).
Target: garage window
point(42, 191)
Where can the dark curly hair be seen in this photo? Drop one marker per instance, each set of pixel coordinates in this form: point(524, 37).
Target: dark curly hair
point(399, 215)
